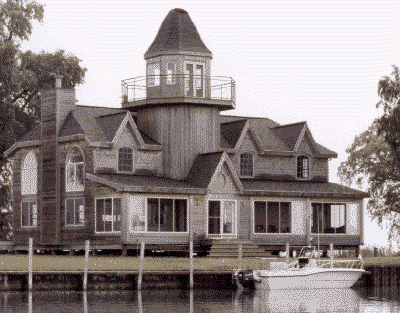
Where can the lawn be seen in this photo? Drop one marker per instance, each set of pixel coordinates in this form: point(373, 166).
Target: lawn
point(19, 263)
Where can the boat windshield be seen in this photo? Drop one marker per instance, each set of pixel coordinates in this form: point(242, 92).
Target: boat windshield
point(308, 252)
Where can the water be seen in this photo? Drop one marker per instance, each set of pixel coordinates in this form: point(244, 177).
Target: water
point(205, 301)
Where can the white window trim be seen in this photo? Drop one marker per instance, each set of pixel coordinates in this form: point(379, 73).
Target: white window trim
point(240, 158)
point(153, 80)
point(186, 75)
point(327, 234)
point(309, 166)
point(133, 164)
point(75, 225)
point(112, 206)
point(35, 220)
point(267, 233)
point(166, 232)
point(74, 187)
point(221, 218)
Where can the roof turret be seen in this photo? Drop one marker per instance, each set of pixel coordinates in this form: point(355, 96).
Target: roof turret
point(177, 35)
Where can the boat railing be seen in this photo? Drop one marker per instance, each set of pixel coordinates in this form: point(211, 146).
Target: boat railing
point(341, 263)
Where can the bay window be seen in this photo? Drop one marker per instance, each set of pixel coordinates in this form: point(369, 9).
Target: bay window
point(328, 218)
point(75, 212)
point(272, 217)
point(166, 215)
point(29, 214)
point(108, 215)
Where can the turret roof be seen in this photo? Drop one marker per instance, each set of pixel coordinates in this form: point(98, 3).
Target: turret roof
point(177, 33)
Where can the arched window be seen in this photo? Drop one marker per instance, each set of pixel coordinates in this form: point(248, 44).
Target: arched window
point(75, 180)
point(303, 166)
point(29, 175)
point(125, 160)
point(246, 165)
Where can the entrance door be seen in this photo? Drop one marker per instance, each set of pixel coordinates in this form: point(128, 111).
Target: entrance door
point(222, 219)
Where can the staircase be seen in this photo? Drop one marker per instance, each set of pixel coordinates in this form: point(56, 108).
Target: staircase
point(221, 248)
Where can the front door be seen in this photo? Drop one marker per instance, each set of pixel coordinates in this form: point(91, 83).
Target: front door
point(222, 219)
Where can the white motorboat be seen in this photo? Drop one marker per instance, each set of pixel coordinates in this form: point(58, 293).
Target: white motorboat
point(305, 272)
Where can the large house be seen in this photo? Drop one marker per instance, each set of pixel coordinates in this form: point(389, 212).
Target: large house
point(168, 166)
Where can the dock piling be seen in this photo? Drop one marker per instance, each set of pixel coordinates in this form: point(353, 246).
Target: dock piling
point(139, 286)
point(30, 263)
point(191, 263)
point(287, 253)
point(85, 277)
point(331, 253)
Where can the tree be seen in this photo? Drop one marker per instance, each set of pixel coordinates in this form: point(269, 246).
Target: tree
point(374, 157)
point(22, 76)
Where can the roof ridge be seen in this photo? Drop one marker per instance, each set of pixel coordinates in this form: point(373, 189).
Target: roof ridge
point(94, 106)
point(234, 122)
point(292, 124)
point(110, 114)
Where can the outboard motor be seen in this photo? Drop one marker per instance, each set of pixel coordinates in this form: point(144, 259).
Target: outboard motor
point(303, 262)
point(246, 278)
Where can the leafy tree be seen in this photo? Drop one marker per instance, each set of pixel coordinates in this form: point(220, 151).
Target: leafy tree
point(22, 76)
point(374, 157)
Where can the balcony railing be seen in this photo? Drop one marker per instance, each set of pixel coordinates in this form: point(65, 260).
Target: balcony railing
point(178, 86)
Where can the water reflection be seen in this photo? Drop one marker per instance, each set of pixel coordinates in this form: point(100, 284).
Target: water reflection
point(210, 301)
point(310, 300)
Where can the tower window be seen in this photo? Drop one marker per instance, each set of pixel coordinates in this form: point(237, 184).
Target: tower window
point(154, 74)
point(171, 74)
point(302, 167)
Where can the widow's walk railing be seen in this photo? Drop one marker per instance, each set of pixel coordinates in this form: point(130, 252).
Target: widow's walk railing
point(178, 86)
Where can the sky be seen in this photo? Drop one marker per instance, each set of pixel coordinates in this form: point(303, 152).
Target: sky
point(292, 61)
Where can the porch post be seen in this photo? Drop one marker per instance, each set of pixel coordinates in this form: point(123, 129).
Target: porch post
point(308, 222)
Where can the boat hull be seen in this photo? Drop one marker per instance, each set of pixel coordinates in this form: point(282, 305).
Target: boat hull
point(312, 278)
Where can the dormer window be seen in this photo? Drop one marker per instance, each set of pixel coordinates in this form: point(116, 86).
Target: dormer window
point(75, 170)
point(125, 160)
point(246, 165)
point(303, 166)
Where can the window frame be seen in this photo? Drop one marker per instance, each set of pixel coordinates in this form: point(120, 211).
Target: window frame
point(170, 77)
point(266, 218)
point(191, 79)
point(66, 211)
point(34, 216)
point(23, 171)
point(173, 219)
point(117, 232)
point(252, 164)
point(323, 217)
point(75, 188)
point(153, 74)
point(304, 157)
point(118, 165)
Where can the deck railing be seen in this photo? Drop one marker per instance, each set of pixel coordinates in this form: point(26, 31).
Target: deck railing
point(178, 86)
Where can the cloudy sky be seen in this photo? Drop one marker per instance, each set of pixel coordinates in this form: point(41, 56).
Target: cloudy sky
point(314, 61)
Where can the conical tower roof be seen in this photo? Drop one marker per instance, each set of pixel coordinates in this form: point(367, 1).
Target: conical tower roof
point(177, 34)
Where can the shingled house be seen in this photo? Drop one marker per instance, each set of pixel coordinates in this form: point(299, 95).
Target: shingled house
point(168, 165)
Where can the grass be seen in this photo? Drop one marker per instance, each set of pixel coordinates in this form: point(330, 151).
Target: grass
point(41, 263)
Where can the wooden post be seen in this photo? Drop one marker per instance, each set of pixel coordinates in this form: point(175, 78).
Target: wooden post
point(85, 302)
point(240, 254)
point(30, 263)
point(191, 262)
point(6, 280)
point(375, 252)
point(287, 253)
point(139, 286)
point(191, 301)
point(331, 253)
point(30, 302)
point(85, 277)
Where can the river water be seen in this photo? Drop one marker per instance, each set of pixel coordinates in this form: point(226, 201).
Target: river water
point(205, 301)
